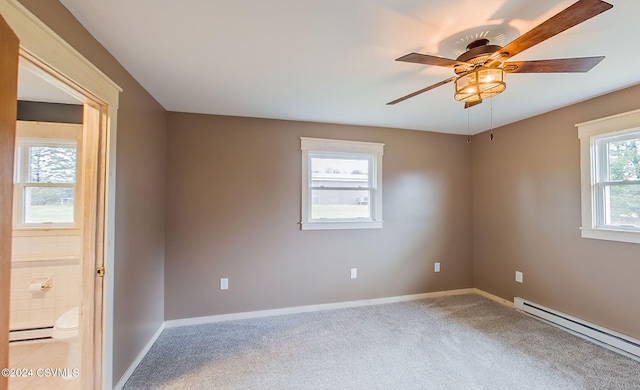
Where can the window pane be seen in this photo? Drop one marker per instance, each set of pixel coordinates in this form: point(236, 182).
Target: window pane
point(52, 164)
point(48, 205)
point(624, 160)
point(337, 172)
point(623, 205)
point(340, 204)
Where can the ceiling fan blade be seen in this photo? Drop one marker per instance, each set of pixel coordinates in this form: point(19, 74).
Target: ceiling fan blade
point(416, 93)
point(471, 104)
point(564, 20)
point(568, 65)
point(426, 59)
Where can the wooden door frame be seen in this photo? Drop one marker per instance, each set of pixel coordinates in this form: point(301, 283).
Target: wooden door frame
point(67, 69)
point(9, 87)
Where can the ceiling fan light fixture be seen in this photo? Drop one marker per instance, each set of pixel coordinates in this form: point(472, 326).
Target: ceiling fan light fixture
point(480, 83)
point(480, 69)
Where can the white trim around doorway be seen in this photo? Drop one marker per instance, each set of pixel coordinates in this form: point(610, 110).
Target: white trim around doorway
point(73, 73)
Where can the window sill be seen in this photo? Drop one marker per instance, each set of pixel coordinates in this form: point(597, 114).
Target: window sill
point(48, 231)
point(611, 234)
point(333, 225)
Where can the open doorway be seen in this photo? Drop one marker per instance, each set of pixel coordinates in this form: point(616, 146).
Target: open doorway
point(58, 231)
point(46, 258)
point(50, 58)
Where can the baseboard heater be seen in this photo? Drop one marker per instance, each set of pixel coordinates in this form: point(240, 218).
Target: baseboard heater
point(607, 338)
point(30, 334)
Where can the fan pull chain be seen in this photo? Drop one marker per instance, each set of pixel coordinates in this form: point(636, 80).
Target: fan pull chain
point(491, 114)
point(468, 131)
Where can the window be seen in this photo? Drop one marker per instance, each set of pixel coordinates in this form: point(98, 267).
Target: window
point(45, 178)
point(610, 161)
point(341, 184)
point(617, 184)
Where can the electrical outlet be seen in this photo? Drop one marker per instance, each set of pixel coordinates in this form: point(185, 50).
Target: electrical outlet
point(436, 267)
point(224, 284)
point(354, 273)
point(518, 276)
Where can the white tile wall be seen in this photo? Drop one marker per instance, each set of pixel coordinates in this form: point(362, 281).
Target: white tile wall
point(57, 257)
point(45, 246)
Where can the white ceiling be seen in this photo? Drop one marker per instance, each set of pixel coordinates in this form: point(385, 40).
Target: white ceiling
point(33, 87)
point(333, 60)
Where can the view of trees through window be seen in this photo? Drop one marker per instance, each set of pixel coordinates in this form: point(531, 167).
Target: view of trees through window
point(48, 190)
point(623, 198)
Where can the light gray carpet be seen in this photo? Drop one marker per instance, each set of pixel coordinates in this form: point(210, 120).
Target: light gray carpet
point(456, 342)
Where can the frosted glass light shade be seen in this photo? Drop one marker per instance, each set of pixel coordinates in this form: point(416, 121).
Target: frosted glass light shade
point(480, 84)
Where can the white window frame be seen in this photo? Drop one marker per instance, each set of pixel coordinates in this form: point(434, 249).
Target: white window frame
point(347, 149)
point(52, 135)
point(591, 134)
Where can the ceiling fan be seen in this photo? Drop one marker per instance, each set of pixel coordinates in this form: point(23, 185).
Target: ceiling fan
point(480, 71)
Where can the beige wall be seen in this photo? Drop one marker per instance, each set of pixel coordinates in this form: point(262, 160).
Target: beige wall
point(140, 193)
point(234, 207)
point(526, 202)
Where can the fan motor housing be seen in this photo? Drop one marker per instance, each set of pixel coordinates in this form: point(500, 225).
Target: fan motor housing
point(478, 52)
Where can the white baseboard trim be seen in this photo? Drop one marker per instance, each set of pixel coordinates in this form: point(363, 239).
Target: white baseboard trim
point(311, 308)
point(494, 298)
point(127, 374)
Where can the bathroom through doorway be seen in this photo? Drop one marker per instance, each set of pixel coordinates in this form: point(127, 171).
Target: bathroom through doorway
point(47, 236)
point(54, 62)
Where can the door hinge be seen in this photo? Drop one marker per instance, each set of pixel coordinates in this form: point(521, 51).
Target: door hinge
point(100, 272)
